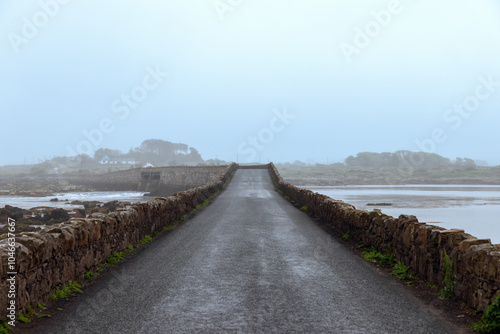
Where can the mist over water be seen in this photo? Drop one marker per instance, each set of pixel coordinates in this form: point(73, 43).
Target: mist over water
point(474, 208)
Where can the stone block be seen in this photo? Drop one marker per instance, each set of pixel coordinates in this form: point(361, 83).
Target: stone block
point(466, 243)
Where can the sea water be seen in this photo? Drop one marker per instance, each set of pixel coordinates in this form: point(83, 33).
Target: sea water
point(65, 199)
point(474, 208)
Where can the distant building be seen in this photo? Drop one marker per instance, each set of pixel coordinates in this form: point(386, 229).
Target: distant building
point(116, 161)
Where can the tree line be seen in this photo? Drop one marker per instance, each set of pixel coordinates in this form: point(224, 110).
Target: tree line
point(396, 159)
point(153, 151)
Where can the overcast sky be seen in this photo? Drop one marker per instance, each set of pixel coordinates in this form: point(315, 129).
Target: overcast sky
point(279, 80)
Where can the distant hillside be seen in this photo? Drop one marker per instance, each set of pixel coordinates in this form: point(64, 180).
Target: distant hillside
point(401, 159)
point(401, 167)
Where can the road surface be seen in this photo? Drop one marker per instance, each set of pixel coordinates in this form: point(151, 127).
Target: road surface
point(248, 263)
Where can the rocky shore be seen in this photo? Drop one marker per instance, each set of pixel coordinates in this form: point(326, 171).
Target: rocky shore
point(30, 220)
point(31, 186)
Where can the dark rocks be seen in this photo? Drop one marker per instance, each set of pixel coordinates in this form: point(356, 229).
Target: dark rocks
point(55, 216)
point(13, 212)
point(91, 204)
point(80, 213)
point(99, 207)
point(111, 205)
point(5, 215)
point(55, 199)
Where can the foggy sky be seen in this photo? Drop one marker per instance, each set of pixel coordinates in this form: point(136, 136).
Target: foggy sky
point(245, 80)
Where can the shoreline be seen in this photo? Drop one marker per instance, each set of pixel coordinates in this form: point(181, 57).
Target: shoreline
point(40, 217)
point(325, 182)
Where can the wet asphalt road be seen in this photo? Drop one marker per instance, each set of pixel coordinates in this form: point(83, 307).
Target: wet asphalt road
point(248, 263)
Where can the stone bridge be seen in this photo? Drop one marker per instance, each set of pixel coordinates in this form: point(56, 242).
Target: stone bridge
point(158, 181)
point(250, 262)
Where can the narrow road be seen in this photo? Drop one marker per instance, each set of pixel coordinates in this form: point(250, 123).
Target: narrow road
point(248, 263)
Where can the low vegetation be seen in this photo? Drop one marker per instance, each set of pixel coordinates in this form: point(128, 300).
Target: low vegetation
point(490, 322)
point(90, 275)
point(67, 290)
point(115, 257)
point(373, 255)
point(24, 317)
point(201, 205)
point(4, 327)
point(449, 281)
point(147, 239)
point(401, 271)
point(170, 227)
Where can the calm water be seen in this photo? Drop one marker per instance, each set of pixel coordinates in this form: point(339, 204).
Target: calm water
point(476, 209)
point(65, 198)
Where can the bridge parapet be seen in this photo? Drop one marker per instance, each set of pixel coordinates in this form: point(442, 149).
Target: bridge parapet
point(65, 252)
point(422, 247)
point(254, 166)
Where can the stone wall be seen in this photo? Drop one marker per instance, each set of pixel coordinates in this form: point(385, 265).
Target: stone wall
point(476, 262)
point(171, 179)
point(118, 181)
point(64, 252)
point(254, 166)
